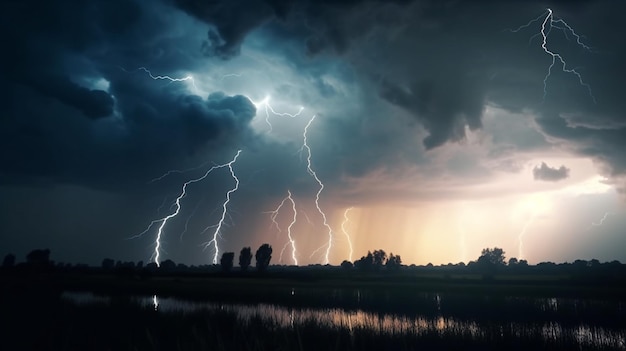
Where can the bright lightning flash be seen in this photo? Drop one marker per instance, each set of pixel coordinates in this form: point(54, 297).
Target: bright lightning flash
point(345, 231)
point(220, 224)
point(551, 22)
point(305, 145)
point(164, 220)
point(536, 204)
point(265, 104)
point(291, 241)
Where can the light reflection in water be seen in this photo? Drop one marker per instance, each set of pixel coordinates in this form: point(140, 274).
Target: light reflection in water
point(376, 323)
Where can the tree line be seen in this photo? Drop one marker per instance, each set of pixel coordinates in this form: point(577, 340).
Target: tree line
point(491, 261)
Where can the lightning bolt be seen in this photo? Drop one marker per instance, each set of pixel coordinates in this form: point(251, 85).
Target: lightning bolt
point(220, 224)
point(293, 221)
point(163, 221)
point(274, 214)
point(601, 220)
point(549, 22)
point(188, 78)
point(520, 236)
point(265, 104)
point(179, 171)
point(345, 232)
point(290, 241)
point(309, 168)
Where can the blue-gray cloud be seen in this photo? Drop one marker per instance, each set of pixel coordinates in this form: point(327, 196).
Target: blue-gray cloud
point(550, 174)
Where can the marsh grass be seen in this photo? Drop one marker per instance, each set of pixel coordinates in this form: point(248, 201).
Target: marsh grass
point(43, 320)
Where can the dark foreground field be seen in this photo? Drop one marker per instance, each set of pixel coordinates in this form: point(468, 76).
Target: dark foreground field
point(312, 311)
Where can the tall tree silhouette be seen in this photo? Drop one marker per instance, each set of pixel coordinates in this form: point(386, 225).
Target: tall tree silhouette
point(245, 258)
point(227, 261)
point(394, 261)
point(263, 256)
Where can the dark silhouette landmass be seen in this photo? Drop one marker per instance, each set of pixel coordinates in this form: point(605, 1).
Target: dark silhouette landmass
point(489, 273)
point(510, 302)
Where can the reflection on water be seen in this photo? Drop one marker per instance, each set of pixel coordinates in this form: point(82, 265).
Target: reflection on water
point(384, 323)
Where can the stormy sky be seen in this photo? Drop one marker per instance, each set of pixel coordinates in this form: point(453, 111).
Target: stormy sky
point(441, 128)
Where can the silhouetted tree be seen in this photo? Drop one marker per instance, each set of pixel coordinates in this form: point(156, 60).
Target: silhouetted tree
point(493, 257)
point(38, 257)
point(108, 264)
point(513, 261)
point(245, 258)
point(263, 256)
point(346, 264)
point(227, 261)
point(490, 260)
point(9, 261)
point(380, 258)
point(394, 262)
point(167, 266)
point(365, 263)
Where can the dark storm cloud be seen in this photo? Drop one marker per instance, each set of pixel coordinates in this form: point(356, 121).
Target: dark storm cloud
point(443, 105)
point(92, 103)
point(550, 174)
point(233, 21)
point(438, 61)
point(445, 89)
point(595, 129)
point(605, 145)
point(60, 125)
point(443, 61)
point(394, 82)
point(324, 19)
